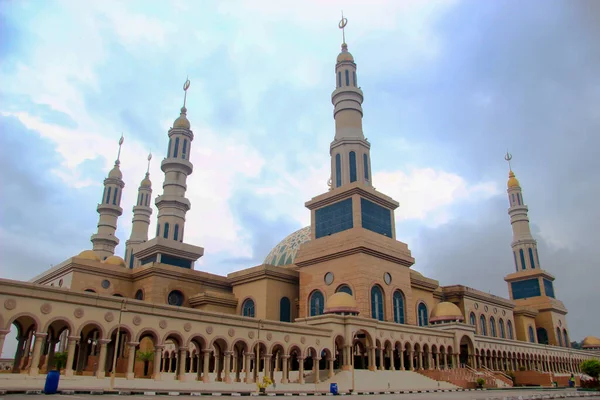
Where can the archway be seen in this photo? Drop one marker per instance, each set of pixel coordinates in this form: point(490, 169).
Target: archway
point(467, 351)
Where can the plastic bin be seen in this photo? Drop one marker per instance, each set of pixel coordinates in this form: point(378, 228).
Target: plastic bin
point(333, 389)
point(51, 385)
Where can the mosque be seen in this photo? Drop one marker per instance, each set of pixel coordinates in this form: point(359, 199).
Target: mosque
point(334, 297)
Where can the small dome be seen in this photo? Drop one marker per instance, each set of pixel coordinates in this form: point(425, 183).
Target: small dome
point(512, 181)
point(341, 302)
point(446, 311)
point(89, 255)
point(115, 260)
point(345, 55)
point(591, 342)
point(115, 172)
point(182, 121)
point(146, 181)
point(285, 251)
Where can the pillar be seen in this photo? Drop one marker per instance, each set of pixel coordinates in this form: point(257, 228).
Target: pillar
point(268, 366)
point(71, 355)
point(101, 371)
point(420, 360)
point(205, 377)
point(3, 333)
point(401, 355)
point(182, 361)
point(301, 370)
point(445, 361)
point(37, 350)
point(331, 372)
point(411, 361)
point(227, 366)
point(157, 359)
point(437, 361)
point(391, 357)
point(131, 360)
point(247, 371)
point(19, 354)
point(285, 359)
point(316, 364)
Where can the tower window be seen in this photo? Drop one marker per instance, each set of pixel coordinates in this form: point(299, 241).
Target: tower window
point(157, 229)
point(248, 308)
point(347, 78)
point(285, 310)
point(103, 195)
point(169, 148)
point(398, 307)
point(422, 314)
point(184, 150)
point(338, 170)
point(108, 196)
point(115, 196)
point(317, 303)
point(522, 258)
point(516, 263)
point(472, 319)
point(377, 303)
point(502, 331)
point(339, 78)
point(352, 166)
point(344, 289)
point(513, 198)
point(176, 149)
point(510, 329)
point(537, 256)
point(482, 325)
point(354, 77)
point(525, 289)
point(176, 232)
point(531, 335)
point(147, 200)
point(567, 343)
point(518, 199)
point(531, 258)
point(131, 262)
point(366, 166)
point(542, 336)
point(493, 327)
point(166, 230)
point(140, 197)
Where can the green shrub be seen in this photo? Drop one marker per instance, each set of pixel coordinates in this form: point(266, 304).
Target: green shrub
point(480, 382)
point(60, 360)
point(591, 368)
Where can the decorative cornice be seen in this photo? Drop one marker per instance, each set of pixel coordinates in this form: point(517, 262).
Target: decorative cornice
point(346, 191)
point(264, 271)
point(465, 291)
point(227, 300)
point(356, 250)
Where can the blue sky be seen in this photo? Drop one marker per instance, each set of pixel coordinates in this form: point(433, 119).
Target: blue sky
point(449, 87)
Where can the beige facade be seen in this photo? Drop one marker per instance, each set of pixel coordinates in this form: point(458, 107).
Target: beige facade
point(158, 318)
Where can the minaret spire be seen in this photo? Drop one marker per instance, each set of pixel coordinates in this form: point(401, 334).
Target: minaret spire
point(109, 208)
point(141, 218)
point(350, 151)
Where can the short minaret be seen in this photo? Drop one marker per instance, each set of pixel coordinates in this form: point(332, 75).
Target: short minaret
point(349, 151)
point(141, 217)
point(105, 241)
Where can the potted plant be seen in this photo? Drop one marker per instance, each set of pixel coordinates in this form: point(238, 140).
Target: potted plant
point(145, 357)
point(60, 361)
point(264, 384)
point(480, 382)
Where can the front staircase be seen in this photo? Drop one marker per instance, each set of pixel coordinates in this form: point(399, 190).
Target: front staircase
point(466, 377)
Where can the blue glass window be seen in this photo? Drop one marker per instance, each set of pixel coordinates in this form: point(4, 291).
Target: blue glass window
point(248, 308)
point(516, 262)
point(347, 78)
point(115, 196)
point(493, 327)
point(344, 289)
point(169, 148)
point(422, 314)
point(525, 289)
point(366, 166)
point(333, 218)
point(531, 260)
point(542, 336)
point(108, 196)
point(472, 319)
point(166, 231)
point(176, 232)
point(482, 326)
point(376, 218)
point(339, 78)
point(285, 310)
point(518, 199)
point(354, 77)
point(175, 261)
point(502, 331)
point(103, 195)
point(176, 149)
point(522, 258)
point(338, 170)
point(377, 303)
point(398, 307)
point(531, 335)
point(184, 150)
point(131, 260)
point(352, 166)
point(510, 330)
point(175, 298)
point(317, 302)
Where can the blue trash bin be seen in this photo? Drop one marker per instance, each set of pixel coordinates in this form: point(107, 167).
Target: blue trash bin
point(333, 389)
point(51, 385)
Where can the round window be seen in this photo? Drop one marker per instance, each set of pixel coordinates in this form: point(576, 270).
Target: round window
point(175, 298)
point(139, 295)
point(495, 310)
point(476, 306)
point(105, 284)
point(329, 278)
point(387, 278)
point(486, 308)
point(60, 282)
point(503, 312)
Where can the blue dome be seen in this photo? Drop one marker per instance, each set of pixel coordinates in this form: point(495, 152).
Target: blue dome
point(285, 252)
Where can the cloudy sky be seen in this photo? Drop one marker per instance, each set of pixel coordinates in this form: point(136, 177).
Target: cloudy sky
point(449, 87)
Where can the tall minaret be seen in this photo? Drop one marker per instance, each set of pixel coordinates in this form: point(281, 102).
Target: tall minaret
point(141, 217)
point(350, 151)
point(105, 241)
point(173, 204)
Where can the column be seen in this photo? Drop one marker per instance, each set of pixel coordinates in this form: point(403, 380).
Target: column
point(455, 360)
point(131, 360)
point(411, 361)
point(401, 355)
point(285, 359)
point(437, 361)
point(101, 371)
point(316, 363)
point(19, 354)
point(268, 366)
point(331, 372)
point(247, 371)
point(420, 360)
point(182, 361)
point(50, 358)
point(381, 360)
point(227, 366)
point(3, 333)
point(205, 377)
point(37, 349)
point(446, 360)
point(71, 355)
point(371, 359)
point(301, 370)
point(391, 357)
point(157, 359)
point(236, 367)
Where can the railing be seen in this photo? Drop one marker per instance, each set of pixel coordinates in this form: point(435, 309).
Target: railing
point(498, 375)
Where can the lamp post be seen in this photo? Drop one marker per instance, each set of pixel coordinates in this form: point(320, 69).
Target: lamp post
point(352, 360)
point(116, 347)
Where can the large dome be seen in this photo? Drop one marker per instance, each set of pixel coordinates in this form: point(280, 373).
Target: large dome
point(285, 252)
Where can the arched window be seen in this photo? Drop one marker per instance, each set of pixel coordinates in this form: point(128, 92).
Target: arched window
point(166, 231)
point(502, 330)
point(339, 78)
point(338, 170)
point(184, 150)
point(345, 289)
point(516, 263)
point(559, 337)
point(175, 298)
point(377, 303)
point(472, 319)
point(176, 232)
point(157, 229)
point(347, 78)
point(493, 327)
point(531, 334)
point(482, 325)
point(352, 166)
point(423, 314)
point(169, 148)
point(354, 78)
point(566, 337)
point(108, 196)
point(513, 198)
point(248, 308)
point(510, 330)
point(285, 310)
point(398, 307)
point(518, 199)
point(366, 166)
point(90, 290)
point(317, 302)
point(139, 295)
point(140, 197)
point(531, 260)
point(542, 336)
point(522, 258)
point(131, 260)
point(147, 200)
point(115, 196)
point(176, 149)
point(537, 257)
